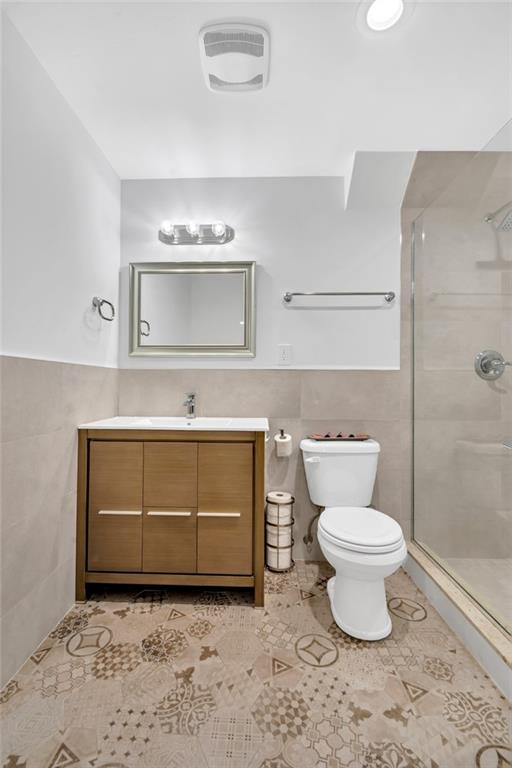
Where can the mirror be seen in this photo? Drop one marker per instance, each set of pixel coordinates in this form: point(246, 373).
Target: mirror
point(194, 308)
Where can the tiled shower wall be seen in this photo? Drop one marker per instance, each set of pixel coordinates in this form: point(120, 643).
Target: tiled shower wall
point(41, 405)
point(300, 402)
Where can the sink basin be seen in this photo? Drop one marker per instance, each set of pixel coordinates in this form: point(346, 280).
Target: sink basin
point(180, 422)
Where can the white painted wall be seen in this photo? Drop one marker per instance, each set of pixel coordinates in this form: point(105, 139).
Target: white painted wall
point(61, 208)
point(302, 239)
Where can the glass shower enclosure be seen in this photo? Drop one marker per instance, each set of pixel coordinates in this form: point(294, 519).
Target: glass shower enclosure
point(462, 383)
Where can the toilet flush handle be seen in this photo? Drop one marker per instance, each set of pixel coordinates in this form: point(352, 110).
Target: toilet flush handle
point(313, 460)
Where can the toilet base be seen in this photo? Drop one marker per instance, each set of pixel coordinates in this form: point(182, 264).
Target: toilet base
point(363, 606)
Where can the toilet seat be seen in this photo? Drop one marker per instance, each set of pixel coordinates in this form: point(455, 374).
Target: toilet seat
point(360, 529)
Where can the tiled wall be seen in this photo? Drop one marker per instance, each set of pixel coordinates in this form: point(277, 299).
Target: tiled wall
point(41, 404)
point(300, 402)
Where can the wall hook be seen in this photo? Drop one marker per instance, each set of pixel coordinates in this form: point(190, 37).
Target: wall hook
point(98, 304)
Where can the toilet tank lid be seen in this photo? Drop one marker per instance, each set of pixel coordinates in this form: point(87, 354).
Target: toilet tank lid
point(339, 446)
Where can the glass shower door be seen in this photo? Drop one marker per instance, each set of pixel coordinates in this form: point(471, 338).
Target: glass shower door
point(462, 262)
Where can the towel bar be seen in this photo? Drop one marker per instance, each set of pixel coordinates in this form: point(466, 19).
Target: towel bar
point(389, 296)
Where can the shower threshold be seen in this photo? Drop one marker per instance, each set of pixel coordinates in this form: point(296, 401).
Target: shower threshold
point(485, 639)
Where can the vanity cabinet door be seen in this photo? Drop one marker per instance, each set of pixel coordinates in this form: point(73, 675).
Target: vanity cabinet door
point(170, 501)
point(170, 474)
point(115, 506)
point(225, 508)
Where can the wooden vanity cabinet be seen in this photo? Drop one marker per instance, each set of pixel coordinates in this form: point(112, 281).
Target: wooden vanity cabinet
point(169, 507)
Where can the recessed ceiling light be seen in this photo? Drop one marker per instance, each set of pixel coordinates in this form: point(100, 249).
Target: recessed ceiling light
point(383, 14)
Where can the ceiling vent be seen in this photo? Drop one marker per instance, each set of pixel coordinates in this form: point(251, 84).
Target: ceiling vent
point(234, 57)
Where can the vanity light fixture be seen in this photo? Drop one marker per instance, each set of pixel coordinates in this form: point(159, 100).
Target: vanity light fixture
point(194, 233)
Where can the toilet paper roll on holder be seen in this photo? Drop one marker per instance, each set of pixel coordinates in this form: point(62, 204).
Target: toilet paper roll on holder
point(283, 444)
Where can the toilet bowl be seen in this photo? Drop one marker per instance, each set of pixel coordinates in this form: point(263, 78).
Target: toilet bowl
point(363, 545)
point(361, 560)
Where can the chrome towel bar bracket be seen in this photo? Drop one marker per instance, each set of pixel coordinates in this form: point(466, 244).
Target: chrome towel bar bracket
point(389, 296)
point(98, 304)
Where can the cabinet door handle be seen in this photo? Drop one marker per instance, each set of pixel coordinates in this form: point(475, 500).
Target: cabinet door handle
point(218, 514)
point(168, 513)
point(120, 512)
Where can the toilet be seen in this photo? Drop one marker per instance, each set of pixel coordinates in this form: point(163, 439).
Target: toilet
point(362, 544)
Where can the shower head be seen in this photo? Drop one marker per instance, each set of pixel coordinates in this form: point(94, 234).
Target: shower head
point(501, 219)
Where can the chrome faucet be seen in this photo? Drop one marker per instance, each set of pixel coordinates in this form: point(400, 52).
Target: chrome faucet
point(190, 402)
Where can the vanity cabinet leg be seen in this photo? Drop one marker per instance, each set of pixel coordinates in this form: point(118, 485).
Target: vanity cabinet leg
point(259, 520)
point(80, 593)
point(81, 518)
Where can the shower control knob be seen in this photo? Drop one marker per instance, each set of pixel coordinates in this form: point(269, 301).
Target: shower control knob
point(490, 365)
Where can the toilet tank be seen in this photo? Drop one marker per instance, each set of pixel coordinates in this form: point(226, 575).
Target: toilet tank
point(340, 473)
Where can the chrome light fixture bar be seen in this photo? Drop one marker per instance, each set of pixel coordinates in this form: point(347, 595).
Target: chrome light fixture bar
point(193, 233)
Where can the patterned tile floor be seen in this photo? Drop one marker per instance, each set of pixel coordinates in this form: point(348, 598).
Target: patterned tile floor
point(200, 679)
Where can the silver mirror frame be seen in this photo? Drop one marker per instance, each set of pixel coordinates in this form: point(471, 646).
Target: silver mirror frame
point(246, 268)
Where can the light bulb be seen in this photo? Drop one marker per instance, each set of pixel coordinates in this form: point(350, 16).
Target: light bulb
point(193, 228)
point(219, 228)
point(167, 228)
point(383, 14)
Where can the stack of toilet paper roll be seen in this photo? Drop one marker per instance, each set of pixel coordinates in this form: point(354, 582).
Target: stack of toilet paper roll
point(279, 527)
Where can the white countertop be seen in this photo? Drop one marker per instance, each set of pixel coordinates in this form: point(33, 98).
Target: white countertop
point(214, 424)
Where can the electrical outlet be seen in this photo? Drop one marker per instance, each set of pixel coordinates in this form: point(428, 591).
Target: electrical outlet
point(284, 354)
